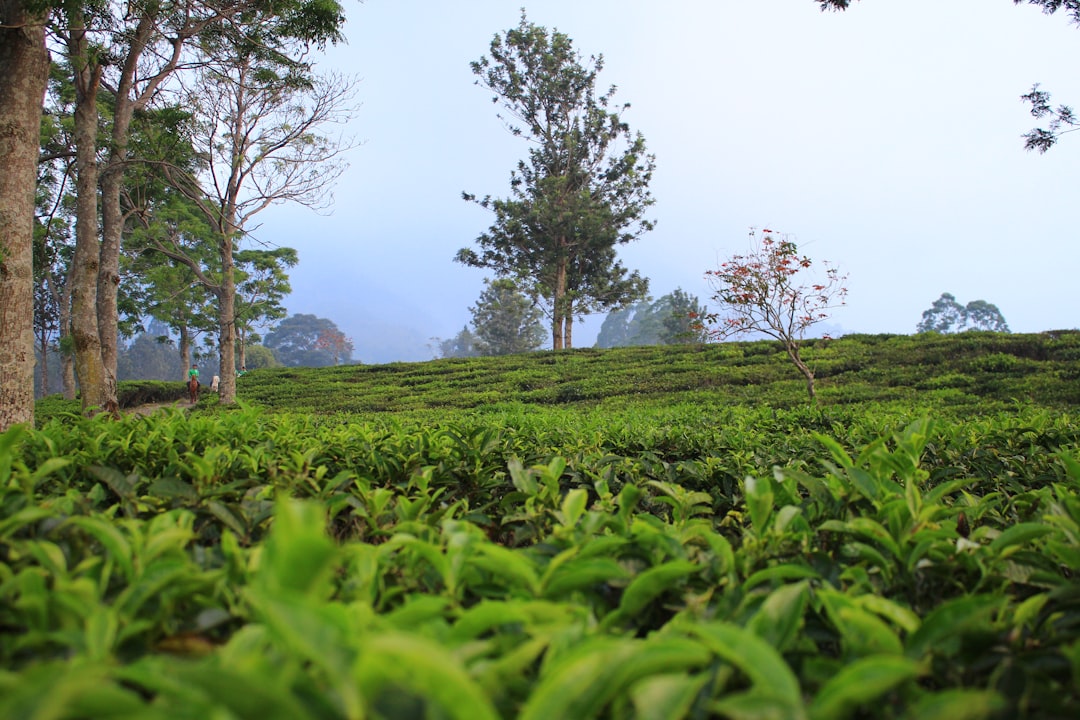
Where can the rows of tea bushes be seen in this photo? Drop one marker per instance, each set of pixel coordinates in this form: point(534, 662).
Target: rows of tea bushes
point(646, 561)
point(975, 370)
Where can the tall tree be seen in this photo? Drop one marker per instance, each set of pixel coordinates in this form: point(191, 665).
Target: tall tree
point(150, 355)
point(681, 319)
point(304, 340)
point(97, 383)
point(259, 119)
point(24, 60)
point(582, 191)
point(122, 57)
point(462, 345)
point(946, 315)
point(672, 319)
point(616, 331)
point(262, 285)
point(982, 315)
point(505, 321)
point(56, 214)
point(46, 309)
point(260, 356)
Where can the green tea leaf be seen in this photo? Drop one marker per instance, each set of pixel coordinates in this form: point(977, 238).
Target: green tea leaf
point(172, 487)
point(787, 571)
point(1019, 534)
point(297, 555)
point(950, 620)
point(959, 704)
point(393, 660)
point(573, 506)
point(859, 683)
point(836, 450)
point(580, 573)
point(213, 687)
point(418, 610)
point(755, 705)
point(227, 517)
point(47, 468)
point(760, 501)
point(102, 626)
point(27, 516)
point(583, 681)
point(56, 691)
point(648, 585)
point(504, 563)
point(862, 632)
point(756, 658)
point(666, 697)
point(780, 617)
point(112, 540)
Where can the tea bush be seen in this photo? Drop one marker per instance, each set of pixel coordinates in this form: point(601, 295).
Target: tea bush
point(434, 540)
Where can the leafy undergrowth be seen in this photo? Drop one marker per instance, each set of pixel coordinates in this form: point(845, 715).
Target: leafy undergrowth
point(651, 560)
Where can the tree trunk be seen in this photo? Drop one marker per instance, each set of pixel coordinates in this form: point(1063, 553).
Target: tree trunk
point(87, 257)
point(558, 299)
point(112, 219)
point(43, 350)
point(185, 350)
point(62, 297)
point(241, 337)
point(568, 332)
point(108, 277)
point(793, 353)
point(227, 323)
point(25, 62)
point(67, 375)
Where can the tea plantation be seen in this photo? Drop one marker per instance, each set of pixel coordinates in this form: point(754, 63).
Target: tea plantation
point(661, 532)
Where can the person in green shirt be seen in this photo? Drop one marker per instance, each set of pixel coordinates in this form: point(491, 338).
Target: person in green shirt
point(193, 383)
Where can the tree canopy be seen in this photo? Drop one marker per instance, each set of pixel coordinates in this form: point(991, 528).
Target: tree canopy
point(582, 191)
point(946, 315)
point(309, 341)
point(671, 319)
point(505, 321)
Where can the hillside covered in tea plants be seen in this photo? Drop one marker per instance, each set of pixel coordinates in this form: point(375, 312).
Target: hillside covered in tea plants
point(665, 532)
point(975, 370)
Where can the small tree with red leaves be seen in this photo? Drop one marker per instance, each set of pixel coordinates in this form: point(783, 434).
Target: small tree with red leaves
point(334, 342)
point(765, 291)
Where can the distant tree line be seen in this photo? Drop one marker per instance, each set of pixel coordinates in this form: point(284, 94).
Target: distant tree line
point(154, 353)
point(671, 319)
point(946, 315)
point(504, 321)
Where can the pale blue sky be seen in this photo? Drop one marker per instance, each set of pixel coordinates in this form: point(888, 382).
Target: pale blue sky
point(887, 139)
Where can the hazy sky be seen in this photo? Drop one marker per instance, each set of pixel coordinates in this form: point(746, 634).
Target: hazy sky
point(887, 139)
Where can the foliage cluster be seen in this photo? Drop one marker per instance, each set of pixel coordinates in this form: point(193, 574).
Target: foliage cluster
point(582, 192)
point(767, 291)
point(672, 318)
point(656, 561)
